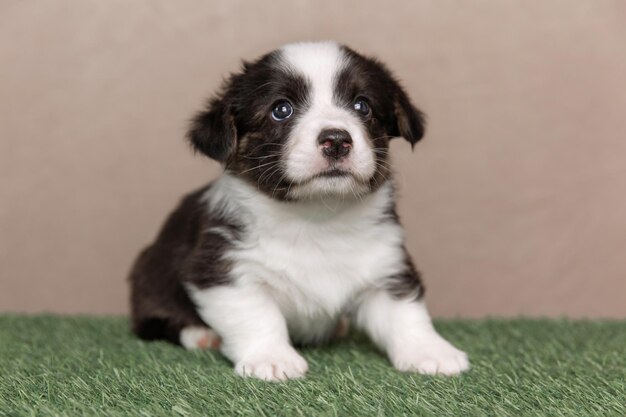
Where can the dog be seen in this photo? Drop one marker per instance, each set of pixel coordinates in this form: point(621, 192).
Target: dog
point(300, 231)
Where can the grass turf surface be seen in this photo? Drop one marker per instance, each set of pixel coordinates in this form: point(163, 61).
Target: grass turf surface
point(73, 366)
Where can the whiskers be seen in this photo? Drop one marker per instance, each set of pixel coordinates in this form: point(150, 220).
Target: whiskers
point(265, 165)
point(258, 167)
point(382, 166)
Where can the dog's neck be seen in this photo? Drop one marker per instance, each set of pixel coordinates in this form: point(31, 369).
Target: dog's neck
point(235, 198)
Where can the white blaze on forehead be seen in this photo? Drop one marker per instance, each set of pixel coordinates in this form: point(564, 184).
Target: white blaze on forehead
point(319, 62)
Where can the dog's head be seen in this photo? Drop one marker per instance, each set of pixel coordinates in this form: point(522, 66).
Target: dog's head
point(308, 120)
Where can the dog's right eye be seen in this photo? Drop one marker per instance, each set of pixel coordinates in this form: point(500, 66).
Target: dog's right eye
point(282, 110)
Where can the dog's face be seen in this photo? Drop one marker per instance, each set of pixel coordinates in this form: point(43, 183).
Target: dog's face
point(306, 121)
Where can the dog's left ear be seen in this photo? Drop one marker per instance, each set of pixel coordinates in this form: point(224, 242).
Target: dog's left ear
point(410, 122)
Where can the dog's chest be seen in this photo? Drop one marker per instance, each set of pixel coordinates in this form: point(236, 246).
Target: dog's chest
point(314, 268)
point(312, 259)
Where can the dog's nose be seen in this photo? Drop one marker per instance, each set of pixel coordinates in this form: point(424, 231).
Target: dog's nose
point(336, 143)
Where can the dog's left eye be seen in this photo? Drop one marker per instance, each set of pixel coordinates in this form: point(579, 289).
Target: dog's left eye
point(361, 106)
point(282, 110)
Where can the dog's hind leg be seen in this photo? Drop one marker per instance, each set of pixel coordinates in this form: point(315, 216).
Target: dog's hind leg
point(189, 336)
point(199, 337)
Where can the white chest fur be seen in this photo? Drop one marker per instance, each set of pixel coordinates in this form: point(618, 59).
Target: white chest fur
point(314, 257)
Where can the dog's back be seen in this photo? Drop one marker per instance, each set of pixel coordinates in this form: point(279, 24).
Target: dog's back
point(160, 306)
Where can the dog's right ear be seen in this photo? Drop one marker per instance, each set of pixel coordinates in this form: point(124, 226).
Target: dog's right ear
point(212, 131)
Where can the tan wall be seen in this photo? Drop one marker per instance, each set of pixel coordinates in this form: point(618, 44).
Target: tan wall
point(515, 202)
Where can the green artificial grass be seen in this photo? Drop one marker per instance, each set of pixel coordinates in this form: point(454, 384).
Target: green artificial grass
point(75, 366)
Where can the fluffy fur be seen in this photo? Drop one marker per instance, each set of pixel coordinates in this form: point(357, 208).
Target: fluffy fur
point(301, 230)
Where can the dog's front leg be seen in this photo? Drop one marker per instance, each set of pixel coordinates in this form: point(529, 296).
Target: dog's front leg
point(253, 331)
point(402, 327)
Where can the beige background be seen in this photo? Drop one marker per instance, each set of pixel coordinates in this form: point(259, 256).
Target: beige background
point(515, 202)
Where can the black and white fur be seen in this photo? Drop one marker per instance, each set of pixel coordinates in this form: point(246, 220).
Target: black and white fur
point(301, 228)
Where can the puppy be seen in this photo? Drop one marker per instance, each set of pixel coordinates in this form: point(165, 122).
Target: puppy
point(301, 227)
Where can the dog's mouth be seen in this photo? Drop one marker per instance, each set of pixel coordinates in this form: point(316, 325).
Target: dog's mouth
point(332, 173)
point(331, 181)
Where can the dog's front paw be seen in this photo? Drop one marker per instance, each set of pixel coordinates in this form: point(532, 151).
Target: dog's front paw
point(434, 355)
point(277, 365)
